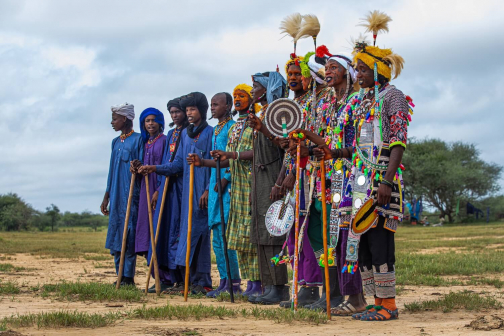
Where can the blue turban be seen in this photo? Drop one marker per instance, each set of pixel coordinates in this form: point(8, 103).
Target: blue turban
point(159, 119)
point(273, 82)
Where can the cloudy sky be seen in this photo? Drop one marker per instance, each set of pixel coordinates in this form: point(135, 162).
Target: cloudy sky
point(64, 63)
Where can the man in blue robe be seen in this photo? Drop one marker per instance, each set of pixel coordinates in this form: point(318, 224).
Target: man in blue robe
point(125, 148)
point(169, 231)
point(196, 138)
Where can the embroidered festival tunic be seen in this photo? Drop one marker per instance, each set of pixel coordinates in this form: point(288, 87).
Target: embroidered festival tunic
point(238, 230)
point(202, 146)
point(219, 142)
point(378, 144)
point(169, 231)
point(118, 184)
point(153, 155)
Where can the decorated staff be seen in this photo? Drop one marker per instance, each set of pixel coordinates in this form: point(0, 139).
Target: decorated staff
point(324, 236)
point(189, 231)
point(125, 231)
point(165, 189)
point(153, 242)
point(297, 137)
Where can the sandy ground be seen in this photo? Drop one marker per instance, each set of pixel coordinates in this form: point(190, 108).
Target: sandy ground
point(45, 270)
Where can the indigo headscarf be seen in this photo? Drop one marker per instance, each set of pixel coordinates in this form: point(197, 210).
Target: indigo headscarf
point(159, 119)
point(273, 82)
point(199, 100)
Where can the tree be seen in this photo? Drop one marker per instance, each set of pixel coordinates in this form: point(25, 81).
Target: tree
point(54, 213)
point(446, 172)
point(15, 214)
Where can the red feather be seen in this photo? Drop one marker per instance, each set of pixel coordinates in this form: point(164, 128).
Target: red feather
point(293, 56)
point(322, 51)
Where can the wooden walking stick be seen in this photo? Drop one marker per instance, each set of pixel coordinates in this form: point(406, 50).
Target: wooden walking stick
point(125, 232)
point(153, 242)
point(167, 180)
point(189, 231)
point(324, 237)
point(223, 229)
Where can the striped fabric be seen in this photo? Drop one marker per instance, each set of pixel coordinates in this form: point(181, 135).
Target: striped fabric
point(238, 230)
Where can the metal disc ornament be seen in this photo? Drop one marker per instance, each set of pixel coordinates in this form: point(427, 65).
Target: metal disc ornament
point(283, 116)
point(279, 218)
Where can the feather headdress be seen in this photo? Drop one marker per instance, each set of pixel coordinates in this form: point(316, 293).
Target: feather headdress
point(290, 26)
point(376, 22)
point(309, 28)
point(360, 40)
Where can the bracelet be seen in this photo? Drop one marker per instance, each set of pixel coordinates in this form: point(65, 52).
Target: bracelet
point(271, 137)
point(238, 155)
point(277, 186)
point(388, 183)
point(337, 153)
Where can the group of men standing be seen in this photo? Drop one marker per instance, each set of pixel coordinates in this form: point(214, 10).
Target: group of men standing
point(353, 118)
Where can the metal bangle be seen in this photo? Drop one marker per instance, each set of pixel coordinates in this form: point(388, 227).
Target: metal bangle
point(388, 183)
point(277, 186)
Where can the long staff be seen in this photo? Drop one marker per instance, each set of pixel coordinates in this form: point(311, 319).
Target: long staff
point(153, 242)
point(296, 227)
point(189, 231)
point(125, 232)
point(324, 236)
point(167, 180)
point(223, 229)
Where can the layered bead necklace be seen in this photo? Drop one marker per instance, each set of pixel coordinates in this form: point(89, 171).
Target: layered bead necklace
point(125, 136)
point(219, 128)
point(238, 130)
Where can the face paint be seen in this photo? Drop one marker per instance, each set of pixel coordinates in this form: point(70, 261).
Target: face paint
point(241, 100)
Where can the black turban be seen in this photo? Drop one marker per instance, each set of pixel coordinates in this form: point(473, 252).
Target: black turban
point(197, 99)
point(175, 103)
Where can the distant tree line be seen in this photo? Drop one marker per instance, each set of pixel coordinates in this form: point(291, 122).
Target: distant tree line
point(17, 215)
point(449, 175)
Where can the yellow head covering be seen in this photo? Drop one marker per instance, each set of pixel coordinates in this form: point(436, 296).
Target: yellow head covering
point(248, 90)
point(293, 60)
point(386, 61)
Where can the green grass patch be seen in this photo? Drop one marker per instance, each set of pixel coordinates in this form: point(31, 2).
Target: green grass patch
point(226, 297)
point(92, 291)
point(99, 257)
point(199, 311)
point(426, 269)
point(61, 319)
point(475, 281)
point(9, 287)
point(10, 268)
point(456, 300)
point(53, 244)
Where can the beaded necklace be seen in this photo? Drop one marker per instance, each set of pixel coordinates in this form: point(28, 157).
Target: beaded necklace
point(238, 130)
point(219, 128)
point(124, 136)
point(151, 142)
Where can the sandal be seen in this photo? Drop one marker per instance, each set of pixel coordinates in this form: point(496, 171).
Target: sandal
point(378, 316)
point(368, 311)
point(345, 309)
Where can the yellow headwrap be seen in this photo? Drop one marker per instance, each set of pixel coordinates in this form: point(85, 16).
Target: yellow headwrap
point(248, 90)
point(386, 61)
point(292, 61)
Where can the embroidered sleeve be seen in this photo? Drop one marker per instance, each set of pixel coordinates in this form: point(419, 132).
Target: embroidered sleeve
point(396, 121)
